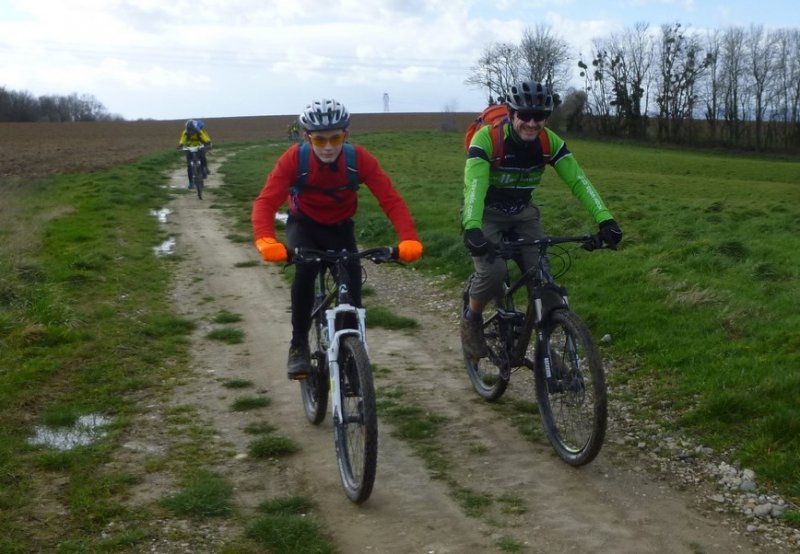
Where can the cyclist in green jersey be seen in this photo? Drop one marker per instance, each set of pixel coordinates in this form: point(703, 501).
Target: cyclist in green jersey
point(498, 196)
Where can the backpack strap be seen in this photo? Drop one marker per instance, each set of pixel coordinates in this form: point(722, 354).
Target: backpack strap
point(353, 180)
point(498, 142)
point(544, 140)
point(300, 182)
point(302, 169)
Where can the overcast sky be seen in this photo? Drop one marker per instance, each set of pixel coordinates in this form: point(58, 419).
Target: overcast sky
point(176, 59)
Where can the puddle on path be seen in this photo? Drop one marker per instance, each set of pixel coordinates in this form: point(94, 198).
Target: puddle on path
point(166, 248)
point(161, 215)
point(282, 217)
point(87, 429)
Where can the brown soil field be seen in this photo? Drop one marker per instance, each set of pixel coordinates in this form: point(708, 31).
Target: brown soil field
point(35, 149)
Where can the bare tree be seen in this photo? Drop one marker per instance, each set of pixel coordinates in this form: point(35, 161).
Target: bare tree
point(760, 48)
point(681, 65)
point(598, 88)
point(23, 106)
point(787, 69)
point(620, 75)
point(712, 81)
point(5, 104)
point(499, 67)
point(547, 57)
point(732, 77)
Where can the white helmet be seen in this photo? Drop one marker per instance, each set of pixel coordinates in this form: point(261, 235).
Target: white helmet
point(324, 115)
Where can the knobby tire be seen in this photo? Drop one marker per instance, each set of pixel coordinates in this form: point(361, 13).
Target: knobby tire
point(489, 376)
point(314, 388)
point(574, 417)
point(356, 437)
point(197, 179)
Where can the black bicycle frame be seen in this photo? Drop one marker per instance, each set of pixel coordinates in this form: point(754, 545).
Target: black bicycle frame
point(544, 296)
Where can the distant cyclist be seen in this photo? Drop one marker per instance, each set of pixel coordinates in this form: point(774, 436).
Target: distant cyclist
point(194, 134)
point(320, 179)
point(498, 197)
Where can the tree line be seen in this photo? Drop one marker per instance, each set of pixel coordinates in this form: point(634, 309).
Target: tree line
point(24, 106)
point(737, 87)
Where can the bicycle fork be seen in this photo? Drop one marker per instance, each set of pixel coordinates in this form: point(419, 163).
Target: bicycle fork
point(334, 336)
point(553, 376)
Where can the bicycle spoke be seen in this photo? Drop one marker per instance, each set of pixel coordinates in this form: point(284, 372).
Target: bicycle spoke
point(357, 432)
point(573, 399)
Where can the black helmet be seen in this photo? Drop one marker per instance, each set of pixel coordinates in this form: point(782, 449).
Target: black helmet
point(324, 115)
point(530, 97)
point(191, 126)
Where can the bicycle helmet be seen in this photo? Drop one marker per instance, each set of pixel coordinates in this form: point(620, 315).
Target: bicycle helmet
point(530, 97)
point(191, 126)
point(324, 115)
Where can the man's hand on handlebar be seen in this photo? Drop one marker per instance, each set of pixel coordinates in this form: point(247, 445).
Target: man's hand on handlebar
point(610, 233)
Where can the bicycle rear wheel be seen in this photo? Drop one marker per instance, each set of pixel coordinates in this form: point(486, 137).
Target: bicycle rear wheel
point(356, 435)
point(573, 401)
point(314, 388)
point(490, 375)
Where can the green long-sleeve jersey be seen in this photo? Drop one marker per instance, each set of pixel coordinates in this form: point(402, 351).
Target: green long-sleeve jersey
point(519, 173)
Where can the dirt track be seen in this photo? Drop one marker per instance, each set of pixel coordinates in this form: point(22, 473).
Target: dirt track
point(609, 506)
point(614, 505)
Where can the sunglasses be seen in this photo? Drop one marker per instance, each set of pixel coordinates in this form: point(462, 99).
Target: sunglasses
point(526, 117)
point(333, 140)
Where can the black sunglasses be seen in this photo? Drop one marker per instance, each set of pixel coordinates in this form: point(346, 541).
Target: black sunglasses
point(537, 117)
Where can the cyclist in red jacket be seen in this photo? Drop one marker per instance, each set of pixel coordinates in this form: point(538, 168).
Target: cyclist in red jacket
point(319, 179)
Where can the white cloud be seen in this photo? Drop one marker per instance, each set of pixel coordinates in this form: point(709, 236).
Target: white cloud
point(143, 58)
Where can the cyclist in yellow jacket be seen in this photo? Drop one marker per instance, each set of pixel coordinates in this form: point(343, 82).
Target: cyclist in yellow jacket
point(194, 134)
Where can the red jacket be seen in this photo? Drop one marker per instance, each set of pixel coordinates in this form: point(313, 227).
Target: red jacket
point(328, 208)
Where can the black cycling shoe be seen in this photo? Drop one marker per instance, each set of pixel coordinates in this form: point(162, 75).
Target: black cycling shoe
point(299, 364)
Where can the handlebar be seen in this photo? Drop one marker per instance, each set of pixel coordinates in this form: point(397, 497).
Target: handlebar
point(378, 255)
point(193, 148)
point(509, 247)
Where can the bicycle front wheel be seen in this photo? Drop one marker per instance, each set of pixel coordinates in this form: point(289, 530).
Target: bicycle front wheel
point(573, 399)
point(198, 182)
point(356, 435)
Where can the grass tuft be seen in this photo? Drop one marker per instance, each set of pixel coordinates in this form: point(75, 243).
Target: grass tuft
point(247, 403)
point(272, 446)
point(204, 495)
point(227, 334)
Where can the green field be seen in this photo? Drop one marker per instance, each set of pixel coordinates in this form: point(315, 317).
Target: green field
point(701, 302)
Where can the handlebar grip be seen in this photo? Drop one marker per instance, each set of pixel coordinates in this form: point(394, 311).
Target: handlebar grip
point(595, 242)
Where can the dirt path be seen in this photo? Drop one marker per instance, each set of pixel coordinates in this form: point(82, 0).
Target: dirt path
point(613, 505)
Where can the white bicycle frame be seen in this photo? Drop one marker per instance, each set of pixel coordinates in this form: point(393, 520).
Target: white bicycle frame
point(333, 349)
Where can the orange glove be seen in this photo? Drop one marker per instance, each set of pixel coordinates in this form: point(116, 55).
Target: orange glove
point(409, 250)
point(271, 250)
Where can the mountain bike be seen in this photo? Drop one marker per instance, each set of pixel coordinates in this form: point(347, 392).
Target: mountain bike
point(196, 168)
point(340, 364)
point(568, 371)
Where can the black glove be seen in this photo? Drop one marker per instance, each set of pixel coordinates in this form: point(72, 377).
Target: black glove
point(610, 233)
point(476, 243)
